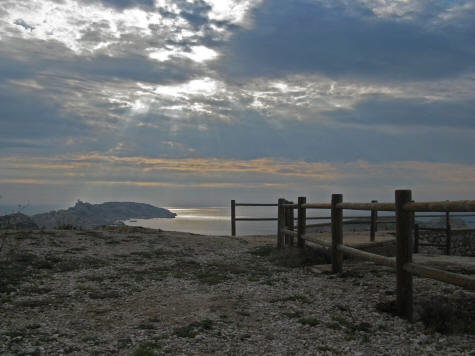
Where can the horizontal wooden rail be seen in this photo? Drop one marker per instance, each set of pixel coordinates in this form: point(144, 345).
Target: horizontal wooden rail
point(290, 205)
point(432, 228)
point(404, 208)
point(351, 222)
point(289, 232)
point(464, 229)
point(318, 225)
point(382, 260)
point(317, 241)
point(255, 204)
point(317, 206)
point(441, 215)
point(440, 275)
point(450, 206)
point(367, 206)
point(318, 247)
point(255, 219)
point(385, 221)
point(344, 217)
point(275, 219)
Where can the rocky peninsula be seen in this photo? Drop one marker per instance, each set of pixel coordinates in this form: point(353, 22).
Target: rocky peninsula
point(88, 215)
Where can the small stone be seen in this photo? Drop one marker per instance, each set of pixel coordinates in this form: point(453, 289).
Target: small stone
point(29, 350)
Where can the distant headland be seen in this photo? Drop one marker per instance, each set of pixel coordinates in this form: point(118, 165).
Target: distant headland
point(88, 215)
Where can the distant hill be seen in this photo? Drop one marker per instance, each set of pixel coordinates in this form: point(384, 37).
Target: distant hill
point(17, 221)
point(91, 215)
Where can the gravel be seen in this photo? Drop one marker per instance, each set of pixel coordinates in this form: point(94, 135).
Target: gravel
point(134, 291)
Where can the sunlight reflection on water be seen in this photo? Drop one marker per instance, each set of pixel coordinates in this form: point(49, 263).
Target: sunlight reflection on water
point(212, 221)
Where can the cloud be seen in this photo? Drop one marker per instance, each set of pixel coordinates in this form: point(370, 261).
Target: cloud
point(93, 172)
point(23, 24)
point(122, 4)
point(93, 166)
point(409, 112)
point(313, 37)
point(24, 115)
point(260, 93)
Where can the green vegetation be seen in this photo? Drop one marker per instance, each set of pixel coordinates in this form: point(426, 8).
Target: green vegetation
point(14, 269)
point(147, 349)
point(449, 316)
point(293, 298)
point(351, 325)
point(309, 321)
point(262, 251)
point(212, 277)
point(194, 328)
point(100, 294)
point(146, 326)
point(293, 315)
point(296, 257)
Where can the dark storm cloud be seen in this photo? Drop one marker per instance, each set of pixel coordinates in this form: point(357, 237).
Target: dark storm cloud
point(254, 136)
point(292, 37)
point(410, 112)
point(134, 67)
point(28, 116)
point(10, 68)
point(16, 61)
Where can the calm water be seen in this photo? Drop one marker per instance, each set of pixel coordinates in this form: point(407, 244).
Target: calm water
point(217, 221)
point(213, 220)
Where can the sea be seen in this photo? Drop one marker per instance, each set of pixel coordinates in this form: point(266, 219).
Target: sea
point(214, 220)
point(210, 220)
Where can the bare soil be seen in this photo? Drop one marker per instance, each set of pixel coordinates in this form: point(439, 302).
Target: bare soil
point(135, 291)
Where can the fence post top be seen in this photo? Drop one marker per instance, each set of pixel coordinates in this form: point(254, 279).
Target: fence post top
point(337, 198)
point(403, 191)
point(402, 196)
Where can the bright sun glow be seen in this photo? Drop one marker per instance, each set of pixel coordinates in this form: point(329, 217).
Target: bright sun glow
point(69, 22)
point(205, 87)
point(91, 26)
point(231, 10)
point(201, 54)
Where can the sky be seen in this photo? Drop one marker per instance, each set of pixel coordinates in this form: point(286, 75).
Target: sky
point(196, 102)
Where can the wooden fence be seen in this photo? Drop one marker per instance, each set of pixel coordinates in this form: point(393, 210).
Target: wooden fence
point(404, 208)
point(353, 219)
point(373, 220)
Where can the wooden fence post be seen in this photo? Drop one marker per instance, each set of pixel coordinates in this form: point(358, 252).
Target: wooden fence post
point(448, 232)
point(233, 217)
point(416, 238)
point(337, 233)
point(302, 217)
point(291, 223)
point(374, 222)
point(403, 254)
point(286, 224)
point(280, 222)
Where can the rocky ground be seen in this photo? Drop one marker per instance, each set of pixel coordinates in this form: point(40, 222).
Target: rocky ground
point(133, 291)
